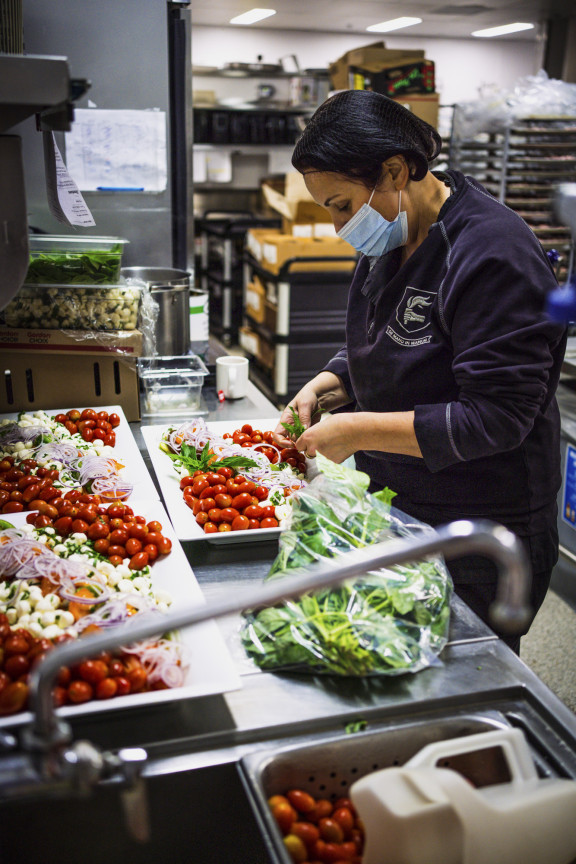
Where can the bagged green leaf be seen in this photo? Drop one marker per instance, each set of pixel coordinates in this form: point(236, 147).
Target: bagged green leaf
point(387, 622)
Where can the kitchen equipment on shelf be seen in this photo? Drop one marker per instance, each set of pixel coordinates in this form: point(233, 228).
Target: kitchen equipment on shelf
point(171, 290)
point(447, 806)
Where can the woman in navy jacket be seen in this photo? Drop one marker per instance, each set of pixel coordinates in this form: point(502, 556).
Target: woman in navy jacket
point(445, 387)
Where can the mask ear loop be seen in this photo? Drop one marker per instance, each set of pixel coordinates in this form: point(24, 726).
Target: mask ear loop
point(371, 196)
point(399, 201)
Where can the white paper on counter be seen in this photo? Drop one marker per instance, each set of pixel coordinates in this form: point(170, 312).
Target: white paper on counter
point(64, 198)
point(118, 150)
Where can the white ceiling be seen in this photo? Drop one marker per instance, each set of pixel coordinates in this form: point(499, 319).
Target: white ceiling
point(441, 18)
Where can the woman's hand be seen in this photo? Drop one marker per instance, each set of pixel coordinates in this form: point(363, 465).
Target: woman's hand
point(334, 438)
point(323, 393)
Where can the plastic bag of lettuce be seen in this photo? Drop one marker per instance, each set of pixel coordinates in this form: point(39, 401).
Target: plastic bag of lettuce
point(387, 622)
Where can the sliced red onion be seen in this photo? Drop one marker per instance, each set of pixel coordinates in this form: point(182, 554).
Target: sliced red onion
point(112, 488)
point(12, 433)
point(87, 601)
point(59, 452)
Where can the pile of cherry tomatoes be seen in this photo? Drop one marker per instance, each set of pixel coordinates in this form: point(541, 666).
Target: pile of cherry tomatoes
point(25, 485)
point(90, 424)
point(101, 678)
point(113, 529)
point(317, 829)
point(223, 500)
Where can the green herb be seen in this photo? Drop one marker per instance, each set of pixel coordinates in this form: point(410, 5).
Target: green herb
point(355, 726)
point(294, 428)
point(189, 458)
point(92, 268)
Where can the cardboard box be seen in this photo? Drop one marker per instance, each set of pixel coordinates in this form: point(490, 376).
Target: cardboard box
point(254, 238)
point(295, 205)
point(423, 105)
point(416, 77)
point(373, 58)
point(258, 347)
point(254, 299)
point(127, 342)
point(44, 379)
point(276, 250)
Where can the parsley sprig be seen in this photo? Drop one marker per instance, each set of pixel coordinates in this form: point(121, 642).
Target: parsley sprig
point(205, 461)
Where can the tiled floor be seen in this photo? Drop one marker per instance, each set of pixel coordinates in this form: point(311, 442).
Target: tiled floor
point(550, 647)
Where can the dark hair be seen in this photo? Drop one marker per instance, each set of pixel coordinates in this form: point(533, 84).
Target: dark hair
point(354, 131)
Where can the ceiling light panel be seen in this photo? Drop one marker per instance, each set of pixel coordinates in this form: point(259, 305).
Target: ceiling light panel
point(503, 30)
point(393, 24)
point(252, 16)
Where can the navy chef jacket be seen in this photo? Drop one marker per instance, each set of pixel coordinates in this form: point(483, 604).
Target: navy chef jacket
point(459, 335)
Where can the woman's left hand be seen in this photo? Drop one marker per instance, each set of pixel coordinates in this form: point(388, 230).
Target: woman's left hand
point(333, 437)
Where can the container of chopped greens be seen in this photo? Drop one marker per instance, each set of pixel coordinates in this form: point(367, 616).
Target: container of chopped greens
point(72, 260)
point(76, 307)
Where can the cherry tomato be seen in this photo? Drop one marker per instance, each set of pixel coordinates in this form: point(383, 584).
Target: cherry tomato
point(222, 500)
point(138, 561)
point(330, 830)
point(107, 688)
point(151, 551)
point(102, 416)
point(88, 414)
point(73, 414)
point(253, 524)
point(71, 427)
point(186, 481)
point(122, 685)
point(154, 526)
point(207, 504)
point(228, 514)
point(114, 420)
point(119, 536)
point(78, 526)
point(100, 434)
point(306, 831)
point(296, 848)
point(13, 697)
point(63, 525)
point(210, 527)
point(110, 439)
point(285, 816)
point(93, 671)
point(247, 429)
point(102, 546)
point(240, 523)
point(79, 691)
point(345, 818)
point(253, 511)
point(302, 801)
point(164, 545)
point(96, 531)
point(224, 526)
point(260, 492)
point(133, 546)
point(116, 551)
point(13, 507)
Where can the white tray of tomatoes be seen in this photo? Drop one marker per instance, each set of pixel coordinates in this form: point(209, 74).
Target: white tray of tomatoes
point(83, 430)
point(209, 667)
point(244, 511)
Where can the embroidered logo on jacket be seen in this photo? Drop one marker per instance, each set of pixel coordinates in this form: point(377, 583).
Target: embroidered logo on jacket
point(414, 311)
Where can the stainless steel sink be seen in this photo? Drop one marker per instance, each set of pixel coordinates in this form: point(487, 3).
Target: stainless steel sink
point(202, 813)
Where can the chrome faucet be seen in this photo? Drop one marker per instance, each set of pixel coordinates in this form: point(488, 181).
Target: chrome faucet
point(53, 760)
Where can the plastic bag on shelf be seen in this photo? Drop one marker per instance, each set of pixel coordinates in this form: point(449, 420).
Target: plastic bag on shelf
point(386, 622)
point(498, 108)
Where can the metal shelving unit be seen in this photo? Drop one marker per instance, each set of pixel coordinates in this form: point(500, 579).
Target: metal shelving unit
point(521, 166)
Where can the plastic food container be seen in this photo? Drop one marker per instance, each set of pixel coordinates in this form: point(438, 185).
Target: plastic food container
point(60, 260)
point(171, 385)
point(75, 307)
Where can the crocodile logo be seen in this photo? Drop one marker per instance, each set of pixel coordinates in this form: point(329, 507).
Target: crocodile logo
point(415, 309)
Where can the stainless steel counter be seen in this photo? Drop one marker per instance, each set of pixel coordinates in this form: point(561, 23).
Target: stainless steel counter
point(197, 802)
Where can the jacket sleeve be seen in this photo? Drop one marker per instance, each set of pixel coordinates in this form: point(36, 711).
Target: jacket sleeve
point(339, 366)
point(506, 354)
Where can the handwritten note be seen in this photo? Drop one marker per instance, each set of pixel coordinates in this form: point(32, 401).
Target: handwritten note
point(117, 150)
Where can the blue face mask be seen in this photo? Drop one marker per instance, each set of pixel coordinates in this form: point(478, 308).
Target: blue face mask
point(368, 232)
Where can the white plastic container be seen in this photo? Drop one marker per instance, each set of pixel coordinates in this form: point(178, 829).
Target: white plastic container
point(426, 814)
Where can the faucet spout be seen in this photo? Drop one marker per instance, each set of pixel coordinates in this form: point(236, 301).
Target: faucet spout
point(47, 732)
